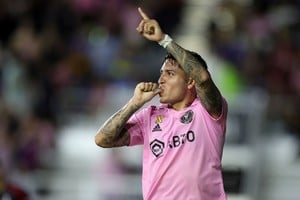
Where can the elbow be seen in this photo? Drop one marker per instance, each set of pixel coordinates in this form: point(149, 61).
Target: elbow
point(205, 77)
point(100, 141)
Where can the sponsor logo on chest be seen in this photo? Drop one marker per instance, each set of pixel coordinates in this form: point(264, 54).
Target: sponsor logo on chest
point(158, 145)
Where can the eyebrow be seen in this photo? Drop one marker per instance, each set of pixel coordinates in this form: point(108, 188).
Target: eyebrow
point(167, 70)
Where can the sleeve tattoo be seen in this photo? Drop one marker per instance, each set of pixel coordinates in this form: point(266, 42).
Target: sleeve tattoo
point(207, 91)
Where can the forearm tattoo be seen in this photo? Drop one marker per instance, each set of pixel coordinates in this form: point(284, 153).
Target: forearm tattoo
point(113, 131)
point(206, 89)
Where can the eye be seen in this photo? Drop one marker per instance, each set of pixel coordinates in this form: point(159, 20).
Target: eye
point(171, 73)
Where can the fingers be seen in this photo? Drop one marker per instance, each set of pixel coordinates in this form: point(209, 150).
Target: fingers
point(147, 27)
point(144, 16)
point(148, 86)
point(140, 27)
point(157, 91)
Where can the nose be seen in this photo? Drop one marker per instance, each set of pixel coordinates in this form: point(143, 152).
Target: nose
point(161, 79)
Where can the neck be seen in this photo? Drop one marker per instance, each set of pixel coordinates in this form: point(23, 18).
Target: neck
point(181, 105)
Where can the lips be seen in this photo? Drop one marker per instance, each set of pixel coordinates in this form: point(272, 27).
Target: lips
point(161, 90)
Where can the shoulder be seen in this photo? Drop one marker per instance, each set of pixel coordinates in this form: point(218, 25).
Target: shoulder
point(199, 107)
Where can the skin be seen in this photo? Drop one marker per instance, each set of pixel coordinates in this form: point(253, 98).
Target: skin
point(180, 82)
point(177, 89)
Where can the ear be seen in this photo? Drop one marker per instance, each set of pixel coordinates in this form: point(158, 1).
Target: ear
point(191, 83)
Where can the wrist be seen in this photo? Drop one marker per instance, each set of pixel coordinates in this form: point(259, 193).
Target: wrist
point(135, 104)
point(165, 41)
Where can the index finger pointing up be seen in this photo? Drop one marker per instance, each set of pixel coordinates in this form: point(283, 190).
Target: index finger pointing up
point(144, 16)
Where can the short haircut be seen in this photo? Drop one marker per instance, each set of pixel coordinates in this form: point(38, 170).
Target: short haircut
point(196, 55)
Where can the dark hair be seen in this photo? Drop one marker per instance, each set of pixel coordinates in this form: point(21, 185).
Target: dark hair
point(196, 55)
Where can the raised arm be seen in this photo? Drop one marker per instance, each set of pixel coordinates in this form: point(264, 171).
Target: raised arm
point(113, 132)
point(207, 91)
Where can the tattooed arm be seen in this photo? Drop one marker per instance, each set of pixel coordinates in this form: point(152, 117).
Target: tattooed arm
point(190, 62)
point(113, 132)
point(206, 90)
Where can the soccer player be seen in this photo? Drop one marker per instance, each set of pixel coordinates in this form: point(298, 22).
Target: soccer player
point(183, 137)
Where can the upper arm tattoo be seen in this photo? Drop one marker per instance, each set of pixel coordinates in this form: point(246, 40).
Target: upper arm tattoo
point(111, 139)
point(207, 91)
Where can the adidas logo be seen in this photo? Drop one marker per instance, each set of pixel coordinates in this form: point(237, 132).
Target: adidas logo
point(156, 128)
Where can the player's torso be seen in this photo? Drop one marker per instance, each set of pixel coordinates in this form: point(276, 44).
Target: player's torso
point(177, 154)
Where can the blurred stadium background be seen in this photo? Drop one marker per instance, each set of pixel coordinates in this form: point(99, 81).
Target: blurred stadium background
point(66, 65)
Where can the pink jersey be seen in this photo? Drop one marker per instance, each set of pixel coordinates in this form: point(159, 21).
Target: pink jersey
point(182, 152)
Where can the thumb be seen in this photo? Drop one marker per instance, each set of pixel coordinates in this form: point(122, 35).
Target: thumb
point(156, 91)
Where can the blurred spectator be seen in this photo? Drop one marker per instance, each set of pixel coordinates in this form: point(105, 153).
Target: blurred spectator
point(261, 39)
point(9, 190)
point(56, 59)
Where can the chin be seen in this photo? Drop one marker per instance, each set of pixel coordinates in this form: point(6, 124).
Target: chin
point(161, 100)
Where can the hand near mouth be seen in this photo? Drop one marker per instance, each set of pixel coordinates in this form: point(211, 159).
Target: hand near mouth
point(144, 92)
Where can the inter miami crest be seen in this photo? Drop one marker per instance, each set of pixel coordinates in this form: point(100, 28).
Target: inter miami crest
point(187, 117)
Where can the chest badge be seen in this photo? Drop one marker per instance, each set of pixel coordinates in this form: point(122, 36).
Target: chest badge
point(187, 117)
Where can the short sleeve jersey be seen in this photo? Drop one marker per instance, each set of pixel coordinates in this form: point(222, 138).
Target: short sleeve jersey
point(182, 152)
